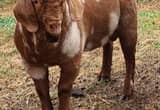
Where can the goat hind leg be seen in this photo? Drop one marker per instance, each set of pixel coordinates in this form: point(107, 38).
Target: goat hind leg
point(105, 73)
point(129, 54)
point(128, 39)
point(127, 33)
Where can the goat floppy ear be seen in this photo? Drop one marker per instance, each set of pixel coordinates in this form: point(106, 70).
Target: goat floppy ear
point(24, 13)
point(76, 9)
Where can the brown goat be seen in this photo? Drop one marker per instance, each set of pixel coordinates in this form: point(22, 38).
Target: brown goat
point(56, 32)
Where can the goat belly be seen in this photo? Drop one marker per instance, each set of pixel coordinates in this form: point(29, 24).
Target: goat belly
point(101, 18)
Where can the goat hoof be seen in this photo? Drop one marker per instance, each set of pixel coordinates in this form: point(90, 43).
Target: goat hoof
point(128, 93)
point(76, 92)
point(127, 96)
point(104, 78)
point(124, 98)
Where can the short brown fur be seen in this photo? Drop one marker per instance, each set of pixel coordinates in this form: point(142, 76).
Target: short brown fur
point(38, 20)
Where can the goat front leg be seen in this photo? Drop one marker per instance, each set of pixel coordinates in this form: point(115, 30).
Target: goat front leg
point(128, 39)
point(40, 78)
point(69, 72)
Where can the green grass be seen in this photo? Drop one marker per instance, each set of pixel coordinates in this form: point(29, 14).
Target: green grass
point(7, 28)
point(2, 2)
point(7, 25)
point(146, 1)
point(156, 44)
point(149, 26)
point(148, 21)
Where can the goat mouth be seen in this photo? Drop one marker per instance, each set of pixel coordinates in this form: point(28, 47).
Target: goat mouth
point(52, 38)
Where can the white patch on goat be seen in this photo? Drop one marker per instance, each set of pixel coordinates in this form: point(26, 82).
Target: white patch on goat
point(20, 28)
point(83, 42)
point(114, 20)
point(83, 39)
point(35, 43)
point(35, 72)
point(83, 1)
point(97, 0)
point(71, 44)
point(92, 30)
point(104, 40)
point(68, 14)
point(23, 36)
point(34, 39)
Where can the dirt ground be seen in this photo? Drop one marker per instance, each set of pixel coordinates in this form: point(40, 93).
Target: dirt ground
point(17, 89)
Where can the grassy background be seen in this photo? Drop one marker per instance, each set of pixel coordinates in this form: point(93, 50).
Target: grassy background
point(149, 25)
point(17, 90)
point(4, 2)
point(7, 25)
